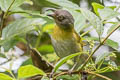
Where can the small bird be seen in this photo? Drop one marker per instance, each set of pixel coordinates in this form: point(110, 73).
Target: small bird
point(65, 39)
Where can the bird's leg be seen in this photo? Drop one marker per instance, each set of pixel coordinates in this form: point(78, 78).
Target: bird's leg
point(76, 62)
point(72, 68)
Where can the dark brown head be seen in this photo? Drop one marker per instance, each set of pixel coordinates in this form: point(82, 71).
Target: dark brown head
point(63, 19)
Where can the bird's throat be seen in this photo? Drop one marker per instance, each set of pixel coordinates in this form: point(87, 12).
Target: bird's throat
point(62, 34)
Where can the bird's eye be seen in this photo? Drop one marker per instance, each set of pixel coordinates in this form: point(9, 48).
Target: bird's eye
point(60, 18)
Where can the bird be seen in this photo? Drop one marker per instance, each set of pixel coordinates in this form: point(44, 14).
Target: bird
point(65, 39)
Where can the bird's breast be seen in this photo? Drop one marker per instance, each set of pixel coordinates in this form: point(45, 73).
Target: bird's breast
point(65, 47)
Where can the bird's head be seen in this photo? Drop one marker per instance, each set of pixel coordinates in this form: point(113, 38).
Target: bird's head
point(63, 19)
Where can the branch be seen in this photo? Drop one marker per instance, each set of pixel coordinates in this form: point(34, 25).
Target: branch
point(97, 48)
point(4, 17)
point(77, 72)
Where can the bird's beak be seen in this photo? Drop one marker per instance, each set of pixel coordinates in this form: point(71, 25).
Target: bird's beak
point(51, 15)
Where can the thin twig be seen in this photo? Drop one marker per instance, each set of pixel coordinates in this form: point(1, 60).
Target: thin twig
point(77, 72)
point(4, 17)
point(93, 73)
point(97, 48)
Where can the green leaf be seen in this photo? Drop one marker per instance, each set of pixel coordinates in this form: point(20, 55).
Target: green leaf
point(21, 26)
point(46, 48)
point(4, 4)
point(109, 42)
point(63, 60)
point(113, 27)
point(2, 55)
point(112, 7)
point(9, 44)
point(16, 28)
point(27, 62)
point(108, 69)
point(29, 71)
point(65, 3)
point(107, 13)
point(101, 57)
point(5, 77)
point(48, 28)
point(94, 20)
point(97, 6)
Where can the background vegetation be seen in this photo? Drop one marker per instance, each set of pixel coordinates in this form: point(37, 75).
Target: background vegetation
point(26, 51)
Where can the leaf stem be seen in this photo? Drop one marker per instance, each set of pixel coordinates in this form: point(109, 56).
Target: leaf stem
point(4, 17)
point(98, 47)
point(88, 72)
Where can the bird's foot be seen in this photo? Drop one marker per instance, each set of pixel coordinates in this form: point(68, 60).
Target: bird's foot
point(70, 72)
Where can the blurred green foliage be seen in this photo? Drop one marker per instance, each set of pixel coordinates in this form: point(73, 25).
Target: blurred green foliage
point(33, 28)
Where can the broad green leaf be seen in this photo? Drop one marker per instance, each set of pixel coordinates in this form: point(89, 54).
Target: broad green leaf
point(21, 26)
point(29, 71)
point(65, 3)
point(16, 28)
point(101, 57)
point(97, 6)
point(112, 7)
point(113, 27)
point(4, 4)
point(9, 44)
point(2, 42)
point(109, 42)
point(48, 28)
point(5, 77)
point(94, 20)
point(46, 48)
point(63, 60)
point(107, 13)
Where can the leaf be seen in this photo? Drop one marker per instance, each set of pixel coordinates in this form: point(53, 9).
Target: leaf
point(112, 44)
point(94, 20)
point(107, 13)
point(109, 42)
point(97, 6)
point(63, 60)
point(65, 3)
point(108, 69)
point(101, 57)
point(48, 28)
point(5, 77)
point(4, 4)
point(2, 55)
point(46, 48)
point(21, 26)
point(27, 62)
point(113, 27)
point(112, 7)
point(29, 71)
point(16, 28)
point(9, 44)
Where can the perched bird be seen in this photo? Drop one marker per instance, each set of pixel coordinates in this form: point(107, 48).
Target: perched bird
point(64, 38)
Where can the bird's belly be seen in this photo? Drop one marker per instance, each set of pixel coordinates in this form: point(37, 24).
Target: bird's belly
point(65, 48)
